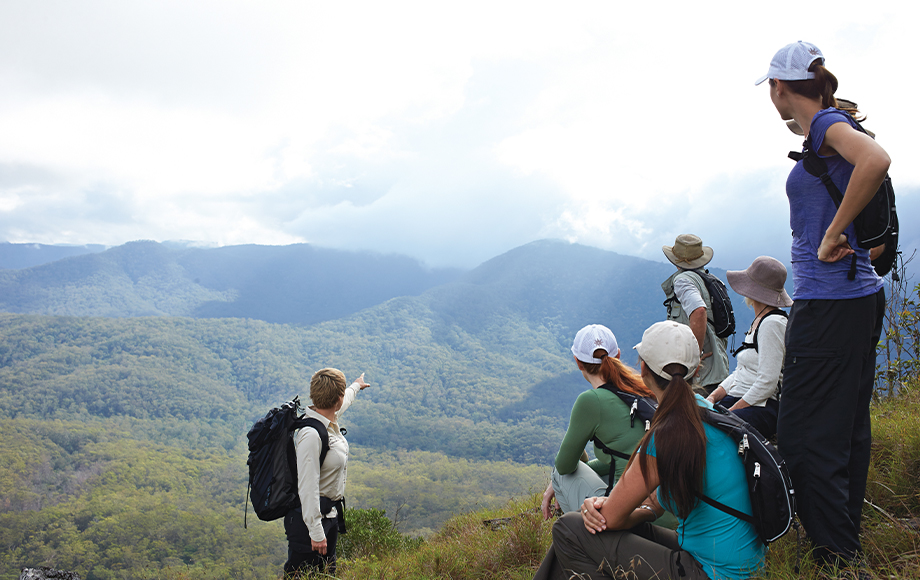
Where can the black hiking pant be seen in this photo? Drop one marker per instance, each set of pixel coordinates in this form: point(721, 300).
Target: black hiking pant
point(823, 428)
point(301, 556)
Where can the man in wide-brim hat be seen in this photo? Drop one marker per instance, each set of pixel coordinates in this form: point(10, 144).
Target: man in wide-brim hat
point(688, 302)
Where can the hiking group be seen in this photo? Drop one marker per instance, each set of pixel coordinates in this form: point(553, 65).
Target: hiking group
point(688, 500)
point(680, 487)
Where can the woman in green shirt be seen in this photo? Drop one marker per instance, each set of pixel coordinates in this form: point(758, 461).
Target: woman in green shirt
point(596, 413)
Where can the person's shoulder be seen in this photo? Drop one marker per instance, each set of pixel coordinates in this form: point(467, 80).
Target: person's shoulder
point(306, 433)
point(827, 117)
point(586, 399)
point(775, 324)
point(689, 279)
point(588, 395)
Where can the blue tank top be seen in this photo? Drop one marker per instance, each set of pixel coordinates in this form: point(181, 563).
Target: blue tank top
point(727, 547)
point(811, 211)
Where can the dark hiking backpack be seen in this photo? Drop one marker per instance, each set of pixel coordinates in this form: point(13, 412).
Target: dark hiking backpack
point(769, 484)
point(273, 461)
point(642, 408)
point(875, 225)
point(722, 314)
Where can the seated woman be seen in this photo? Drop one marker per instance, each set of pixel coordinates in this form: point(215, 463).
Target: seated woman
point(597, 413)
point(752, 390)
point(679, 458)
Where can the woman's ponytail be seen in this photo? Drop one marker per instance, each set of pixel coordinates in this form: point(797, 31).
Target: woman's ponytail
point(680, 442)
point(822, 87)
point(825, 84)
point(614, 371)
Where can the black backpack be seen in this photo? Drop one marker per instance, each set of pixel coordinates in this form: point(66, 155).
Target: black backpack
point(273, 461)
point(722, 314)
point(875, 225)
point(642, 408)
point(769, 484)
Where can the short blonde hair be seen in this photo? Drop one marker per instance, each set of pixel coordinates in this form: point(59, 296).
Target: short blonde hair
point(326, 386)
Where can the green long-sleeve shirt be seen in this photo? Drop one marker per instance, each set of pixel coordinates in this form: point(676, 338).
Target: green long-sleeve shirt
point(598, 412)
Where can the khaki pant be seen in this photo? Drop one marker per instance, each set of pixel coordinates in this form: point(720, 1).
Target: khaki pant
point(645, 552)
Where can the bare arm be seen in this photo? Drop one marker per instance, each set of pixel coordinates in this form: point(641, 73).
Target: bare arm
point(870, 164)
point(717, 395)
point(698, 326)
point(622, 509)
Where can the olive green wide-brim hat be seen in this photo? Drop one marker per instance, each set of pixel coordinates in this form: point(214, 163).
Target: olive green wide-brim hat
point(688, 252)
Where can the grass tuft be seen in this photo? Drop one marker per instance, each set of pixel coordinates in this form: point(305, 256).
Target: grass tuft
point(466, 549)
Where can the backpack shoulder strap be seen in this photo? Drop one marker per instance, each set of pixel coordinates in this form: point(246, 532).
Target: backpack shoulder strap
point(700, 275)
point(816, 166)
point(776, 312)
point(729, 510)
point(716, 418)
point(629, 400)
point(320, 430)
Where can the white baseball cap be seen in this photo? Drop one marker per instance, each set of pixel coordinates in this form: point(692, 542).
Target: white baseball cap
point(792, 61)
point(591, 338)
point(669, 342)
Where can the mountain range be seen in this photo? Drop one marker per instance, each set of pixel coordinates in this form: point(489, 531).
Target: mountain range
point(115, 362)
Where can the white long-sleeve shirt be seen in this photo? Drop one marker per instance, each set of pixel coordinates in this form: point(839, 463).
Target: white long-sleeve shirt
point(313, 482)
point(757, 375)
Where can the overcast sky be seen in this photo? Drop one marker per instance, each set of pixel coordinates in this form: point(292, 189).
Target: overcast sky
point(449, 131)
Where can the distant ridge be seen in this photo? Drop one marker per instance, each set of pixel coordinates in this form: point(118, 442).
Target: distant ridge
point(18, 256)
point(297, 284)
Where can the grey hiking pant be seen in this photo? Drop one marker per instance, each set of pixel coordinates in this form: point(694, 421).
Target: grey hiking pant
point(645, 552)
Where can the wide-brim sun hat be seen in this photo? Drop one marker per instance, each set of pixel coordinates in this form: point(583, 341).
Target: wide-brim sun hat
point(791, 62)
point(688, 252)
point(763, 281)
point(668, 342)
point(591, 338)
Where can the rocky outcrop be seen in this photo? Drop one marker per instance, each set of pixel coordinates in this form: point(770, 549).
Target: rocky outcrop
point(43, 573)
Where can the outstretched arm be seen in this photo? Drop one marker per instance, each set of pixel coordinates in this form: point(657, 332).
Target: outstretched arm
point(351, 392)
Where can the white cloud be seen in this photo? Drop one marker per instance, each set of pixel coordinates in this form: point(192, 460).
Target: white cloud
point(450, 131)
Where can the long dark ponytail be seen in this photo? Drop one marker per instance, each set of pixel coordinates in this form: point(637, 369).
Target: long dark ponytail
point(680, 442)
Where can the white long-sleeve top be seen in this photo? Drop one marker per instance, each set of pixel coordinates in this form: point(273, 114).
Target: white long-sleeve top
point(758, 372)
point(313, 482)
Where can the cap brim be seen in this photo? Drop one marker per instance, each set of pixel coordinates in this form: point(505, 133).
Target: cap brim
point(761, 79)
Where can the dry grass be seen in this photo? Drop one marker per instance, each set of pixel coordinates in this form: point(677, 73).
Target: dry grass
point(466, 549)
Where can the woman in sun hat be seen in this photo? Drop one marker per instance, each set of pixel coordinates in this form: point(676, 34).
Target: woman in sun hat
point(752, 390)
point(823, 426)
point(596, 413)
point(679, 458)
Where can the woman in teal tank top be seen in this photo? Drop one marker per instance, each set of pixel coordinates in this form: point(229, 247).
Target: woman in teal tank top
point(679, 458)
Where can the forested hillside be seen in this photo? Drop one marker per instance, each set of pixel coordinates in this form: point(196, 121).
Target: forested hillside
point(299, 284)
point(125, 437)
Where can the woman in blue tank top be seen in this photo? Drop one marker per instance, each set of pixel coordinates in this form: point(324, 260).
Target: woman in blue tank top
point(679, 458)
point(823, 425)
